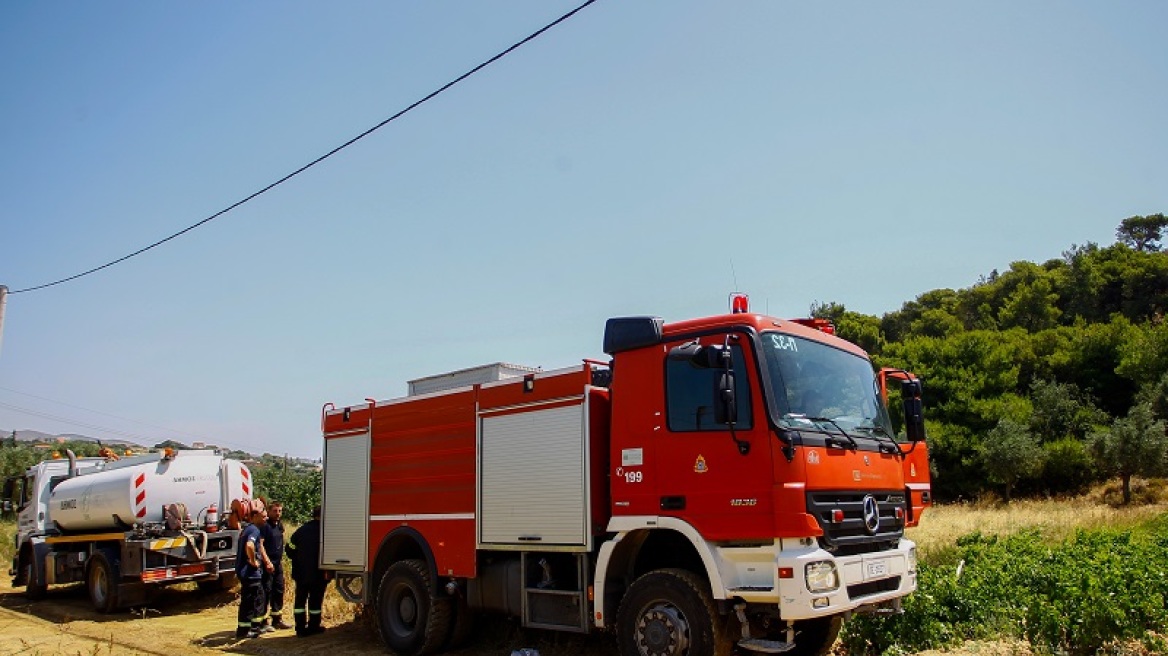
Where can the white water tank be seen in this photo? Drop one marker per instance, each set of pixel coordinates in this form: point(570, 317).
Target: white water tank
point(130, 492)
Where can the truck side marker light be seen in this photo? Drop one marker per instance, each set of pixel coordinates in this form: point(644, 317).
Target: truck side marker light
point(786, 572)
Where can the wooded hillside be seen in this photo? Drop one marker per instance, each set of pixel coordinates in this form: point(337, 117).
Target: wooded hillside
point(1044, 378)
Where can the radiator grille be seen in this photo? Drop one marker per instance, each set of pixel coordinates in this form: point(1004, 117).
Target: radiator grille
point(852, 535)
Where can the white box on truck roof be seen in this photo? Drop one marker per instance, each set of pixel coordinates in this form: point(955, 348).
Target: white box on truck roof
point(487, 373)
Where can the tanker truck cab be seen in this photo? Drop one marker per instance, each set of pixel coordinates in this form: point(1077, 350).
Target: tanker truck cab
point(757, 454)
point(125, 526)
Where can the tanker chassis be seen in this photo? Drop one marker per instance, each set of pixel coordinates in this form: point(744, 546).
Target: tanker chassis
point(721, 484)
point(123, 526)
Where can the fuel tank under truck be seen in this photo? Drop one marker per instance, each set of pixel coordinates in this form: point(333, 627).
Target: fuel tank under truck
point(127, 493)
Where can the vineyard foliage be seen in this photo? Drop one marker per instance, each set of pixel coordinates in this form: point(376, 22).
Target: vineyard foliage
point(1079, 596)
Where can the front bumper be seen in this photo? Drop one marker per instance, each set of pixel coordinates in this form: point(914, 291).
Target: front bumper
point(777, 574)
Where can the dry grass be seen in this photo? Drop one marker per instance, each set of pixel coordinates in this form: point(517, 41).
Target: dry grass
point(1055, 518)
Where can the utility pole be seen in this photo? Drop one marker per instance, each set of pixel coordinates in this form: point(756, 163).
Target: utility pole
point(3, 302)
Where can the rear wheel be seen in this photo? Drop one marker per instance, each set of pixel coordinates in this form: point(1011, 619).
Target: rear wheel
point(102, 584)
point(412, 620)
point(34, 591)
point(670, 612)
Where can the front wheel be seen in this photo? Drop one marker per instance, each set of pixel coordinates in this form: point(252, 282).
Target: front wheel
point(102, 584)
point(412, 620)
point(670, 612)
point(34, 591)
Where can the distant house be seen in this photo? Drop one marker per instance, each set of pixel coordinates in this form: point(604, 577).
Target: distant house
point(198, 445)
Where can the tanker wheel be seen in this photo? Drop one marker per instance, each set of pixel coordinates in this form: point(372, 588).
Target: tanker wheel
point(102, 584)
point(670, 612)
point(815, 637)
point(412, 620)
point(34, 591)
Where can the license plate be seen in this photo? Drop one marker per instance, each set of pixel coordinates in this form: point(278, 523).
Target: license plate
point(876, 568)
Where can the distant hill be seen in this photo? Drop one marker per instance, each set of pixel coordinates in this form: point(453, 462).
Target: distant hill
point(39, 437)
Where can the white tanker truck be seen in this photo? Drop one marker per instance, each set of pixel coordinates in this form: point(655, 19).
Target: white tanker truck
point(128, 526)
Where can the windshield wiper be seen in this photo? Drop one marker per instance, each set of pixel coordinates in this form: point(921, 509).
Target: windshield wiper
point(891, 444)
point(828, 420)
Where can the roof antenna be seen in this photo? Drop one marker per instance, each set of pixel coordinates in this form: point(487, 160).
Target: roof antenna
point(733, 274)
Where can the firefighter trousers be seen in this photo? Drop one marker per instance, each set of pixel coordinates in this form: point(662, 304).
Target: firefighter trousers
point(307, 602)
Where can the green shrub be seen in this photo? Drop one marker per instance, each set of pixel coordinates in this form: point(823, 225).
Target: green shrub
point(1076, 597)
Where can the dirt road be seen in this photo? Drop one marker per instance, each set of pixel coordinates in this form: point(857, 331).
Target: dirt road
point(179, 621)
point(184, 621)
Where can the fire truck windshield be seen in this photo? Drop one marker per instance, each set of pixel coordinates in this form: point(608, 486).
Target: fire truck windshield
point(820, 388)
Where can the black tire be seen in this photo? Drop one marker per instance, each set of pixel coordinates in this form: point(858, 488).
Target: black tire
point(816, 637)
point(412, 620)
point(34, 591)
point(102, 582)
point(670, 612)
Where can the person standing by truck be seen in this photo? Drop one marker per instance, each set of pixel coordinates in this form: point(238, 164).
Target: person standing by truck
point(311, 581)
point(249, 567)
point(272, 532)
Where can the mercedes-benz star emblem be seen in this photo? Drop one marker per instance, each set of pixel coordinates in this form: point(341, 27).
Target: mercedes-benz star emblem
point(871, 514)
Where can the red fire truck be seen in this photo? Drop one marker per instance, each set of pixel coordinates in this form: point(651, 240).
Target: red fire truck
point(732, 482)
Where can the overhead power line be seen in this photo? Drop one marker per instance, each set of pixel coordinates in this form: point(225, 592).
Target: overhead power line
point(74, 422)
point(320, 159)
point(189, 436)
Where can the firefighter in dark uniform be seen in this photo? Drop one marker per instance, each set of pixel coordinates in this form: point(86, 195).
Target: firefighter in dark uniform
point(311, 581)
point(249, 567)
point(272, 532)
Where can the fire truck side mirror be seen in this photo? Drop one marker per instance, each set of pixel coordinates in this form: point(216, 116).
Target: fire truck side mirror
point(914, 415)
point(725, 400)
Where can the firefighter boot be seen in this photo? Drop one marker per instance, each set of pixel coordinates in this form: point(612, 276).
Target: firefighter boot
point(300, 619)
point(314, 626)
point(278, 622)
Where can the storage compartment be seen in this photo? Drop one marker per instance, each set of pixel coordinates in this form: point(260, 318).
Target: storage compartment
point(533, 478)
point(345, 516)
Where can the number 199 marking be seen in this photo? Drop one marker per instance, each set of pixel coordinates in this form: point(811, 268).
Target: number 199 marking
point(634, 477)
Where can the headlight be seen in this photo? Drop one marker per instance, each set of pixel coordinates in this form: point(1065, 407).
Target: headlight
point(912, 559)
point(821, 576)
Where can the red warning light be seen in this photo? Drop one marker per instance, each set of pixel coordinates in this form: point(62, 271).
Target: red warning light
point(739, 303)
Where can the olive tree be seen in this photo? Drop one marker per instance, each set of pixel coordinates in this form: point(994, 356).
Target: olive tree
point(1010, 453)
point(1135, 444)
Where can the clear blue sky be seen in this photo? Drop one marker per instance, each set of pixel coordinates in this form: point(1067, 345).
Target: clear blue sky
point(638, 159)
